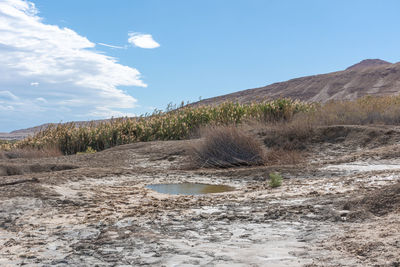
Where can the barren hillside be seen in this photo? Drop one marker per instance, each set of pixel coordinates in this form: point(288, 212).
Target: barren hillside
point(369, 77)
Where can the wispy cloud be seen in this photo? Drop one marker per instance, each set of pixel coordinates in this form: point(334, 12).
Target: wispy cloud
point(71, 74)
point(142, 40)
point(7, 95)
point(41, 100)
point(112, 46)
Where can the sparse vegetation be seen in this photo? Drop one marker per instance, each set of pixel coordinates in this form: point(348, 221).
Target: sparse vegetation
point(294, 134)
point(290, 135)
point(227, 146)
point(275, 179)
point(281, 156)
point(172, 125)
point(365, 110)
point(6, 145)
point(286, 122)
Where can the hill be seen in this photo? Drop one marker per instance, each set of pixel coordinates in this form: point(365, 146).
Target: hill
point(368, 77)
point(22, 133)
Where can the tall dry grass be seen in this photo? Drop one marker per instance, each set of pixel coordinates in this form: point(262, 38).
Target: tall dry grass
point(294, 133)
point(172, 125)
point(230, 146)
point(6, 145)
point(286, 121)
point(363, 111)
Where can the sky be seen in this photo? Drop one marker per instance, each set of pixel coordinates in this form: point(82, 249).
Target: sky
point(74, 60)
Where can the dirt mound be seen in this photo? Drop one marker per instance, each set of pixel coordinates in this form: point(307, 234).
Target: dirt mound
point(18, 169)
point(379, 203)
point(348, 135)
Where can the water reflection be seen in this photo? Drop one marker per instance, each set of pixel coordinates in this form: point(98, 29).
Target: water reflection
point(189, 188)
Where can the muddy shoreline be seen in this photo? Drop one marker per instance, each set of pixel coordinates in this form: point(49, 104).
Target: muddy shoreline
point(101, 213)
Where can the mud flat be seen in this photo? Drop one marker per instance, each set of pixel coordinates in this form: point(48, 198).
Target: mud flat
point(328, 212)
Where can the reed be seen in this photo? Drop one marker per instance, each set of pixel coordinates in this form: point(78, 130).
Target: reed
point(170, 125)
point(291, 117)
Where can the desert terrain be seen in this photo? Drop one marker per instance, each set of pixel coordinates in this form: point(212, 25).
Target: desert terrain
point(280, 145)
point(338, 207)
point(372, 77)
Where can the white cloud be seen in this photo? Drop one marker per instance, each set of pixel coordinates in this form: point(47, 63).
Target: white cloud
point(112, 46)
point(142, 40)
point(70, 72)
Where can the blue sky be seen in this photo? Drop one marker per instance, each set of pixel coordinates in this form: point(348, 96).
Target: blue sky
point(55, 65)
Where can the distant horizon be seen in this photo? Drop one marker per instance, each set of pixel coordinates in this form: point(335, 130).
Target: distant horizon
point(70, 60)
point(177, 104)
point(187, 102)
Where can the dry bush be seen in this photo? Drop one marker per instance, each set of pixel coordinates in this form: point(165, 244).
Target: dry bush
point(362, 111)
point(227, 146)
point(286, 138)
point(31, 153)
point(289, 136)
point(294, 134)
point(284, 157)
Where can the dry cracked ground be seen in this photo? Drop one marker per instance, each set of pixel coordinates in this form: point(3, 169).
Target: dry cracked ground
point(339, 207)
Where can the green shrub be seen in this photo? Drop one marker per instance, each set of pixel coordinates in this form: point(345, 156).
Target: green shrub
point(89, 150)
point(275, 179)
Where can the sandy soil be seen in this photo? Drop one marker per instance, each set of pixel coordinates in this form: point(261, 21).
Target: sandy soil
point(338, 208)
